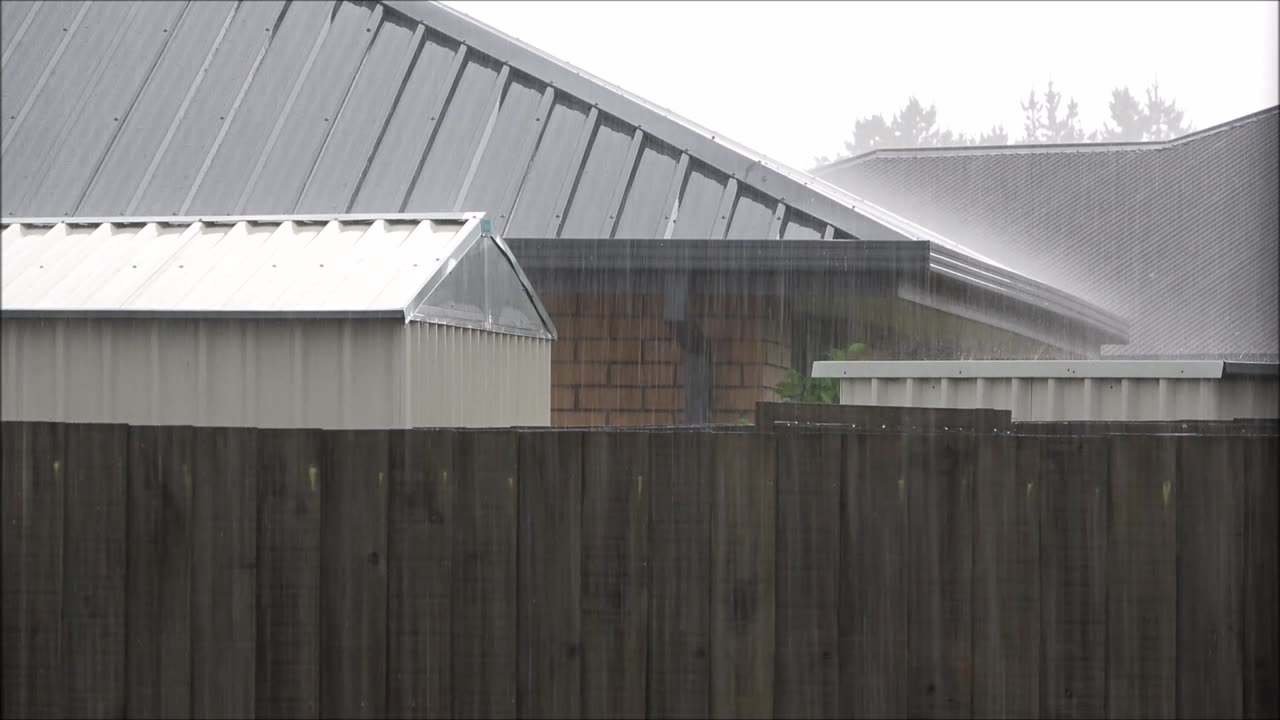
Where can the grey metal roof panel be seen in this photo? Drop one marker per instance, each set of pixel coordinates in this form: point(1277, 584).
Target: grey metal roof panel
point(244, 115)
point(1180, 237)
point(373, 107)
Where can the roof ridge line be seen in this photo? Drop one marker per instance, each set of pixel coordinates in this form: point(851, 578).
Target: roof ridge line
point(1046, 148)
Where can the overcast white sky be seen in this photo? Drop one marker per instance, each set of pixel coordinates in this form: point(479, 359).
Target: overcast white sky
point(788, 79)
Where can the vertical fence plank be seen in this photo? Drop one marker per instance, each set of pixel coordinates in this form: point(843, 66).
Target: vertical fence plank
point(484, 576)
point(680, 567)
point(1006, 578)
point(34, 464)
point(420, 546)
point(1142, 577)
point(550, 576)
point(808, 548)
point(1211, 517)
point(93, 593)
point(159, 572)
point(615, 557)
point(1073, 573)
point(224, 573)
point(742, 570)
point(1261, 597)
point(290, 488)
point(873, 578)
point(939, 483)
point(353, 575)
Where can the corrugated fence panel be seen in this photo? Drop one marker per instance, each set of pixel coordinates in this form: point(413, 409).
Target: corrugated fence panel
point(400, 149)
point(458, 133)
point(285, 169)
point(264, 103)
point(359, 125)
point(551, 167)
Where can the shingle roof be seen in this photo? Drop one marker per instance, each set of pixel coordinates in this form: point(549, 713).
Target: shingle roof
point(1180, 237)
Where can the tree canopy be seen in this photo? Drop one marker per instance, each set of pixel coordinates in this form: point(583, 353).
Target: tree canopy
point(1046, 120)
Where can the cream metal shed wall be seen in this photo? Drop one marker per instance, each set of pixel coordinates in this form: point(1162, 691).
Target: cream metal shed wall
point(338, 323)
point(1067, 390)
point(326, 373)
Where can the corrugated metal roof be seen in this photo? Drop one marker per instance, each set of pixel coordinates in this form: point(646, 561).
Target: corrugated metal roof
point(129, 108)
point(244, 267)
point(1181, 237)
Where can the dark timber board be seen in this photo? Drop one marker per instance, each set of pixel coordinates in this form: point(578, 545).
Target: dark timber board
point(1262, 601)
point(808, 551)
point(939, 484)
point(680, 565)
point(550, 582)
point(873, 578)
point(1006, 578)
point(615, 577)
point(420, 549)
point(290, 491)
point(159, 572)
point(484, 576)
point(93, 597)
point(1211, 517)
point(1073, 574)
point(353, 575)
point(1142, 577)
point(224, 573)
point(742, 571)
point(34, 468)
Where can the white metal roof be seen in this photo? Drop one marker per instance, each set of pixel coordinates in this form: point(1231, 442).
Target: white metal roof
point(230, 266)
point(1169, 369)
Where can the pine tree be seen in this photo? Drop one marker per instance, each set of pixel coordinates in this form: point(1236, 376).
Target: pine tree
point(1132, 121)
point(1042, 123)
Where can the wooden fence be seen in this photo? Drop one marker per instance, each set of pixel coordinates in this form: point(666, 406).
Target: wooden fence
point(177, 572)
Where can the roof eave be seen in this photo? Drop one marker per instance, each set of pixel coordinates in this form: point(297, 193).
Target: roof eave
point(905, 259)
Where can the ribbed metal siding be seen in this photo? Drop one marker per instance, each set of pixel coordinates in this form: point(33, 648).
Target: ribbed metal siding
point(352, 374)
point(214, 107)
point(1047, 399)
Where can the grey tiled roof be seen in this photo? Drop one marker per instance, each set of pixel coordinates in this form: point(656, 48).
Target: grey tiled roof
point(1179, 237)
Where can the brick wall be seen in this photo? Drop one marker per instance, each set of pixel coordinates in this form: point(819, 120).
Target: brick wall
point(617, 363)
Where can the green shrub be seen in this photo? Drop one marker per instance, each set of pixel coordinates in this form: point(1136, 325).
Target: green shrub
point(799, 387)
